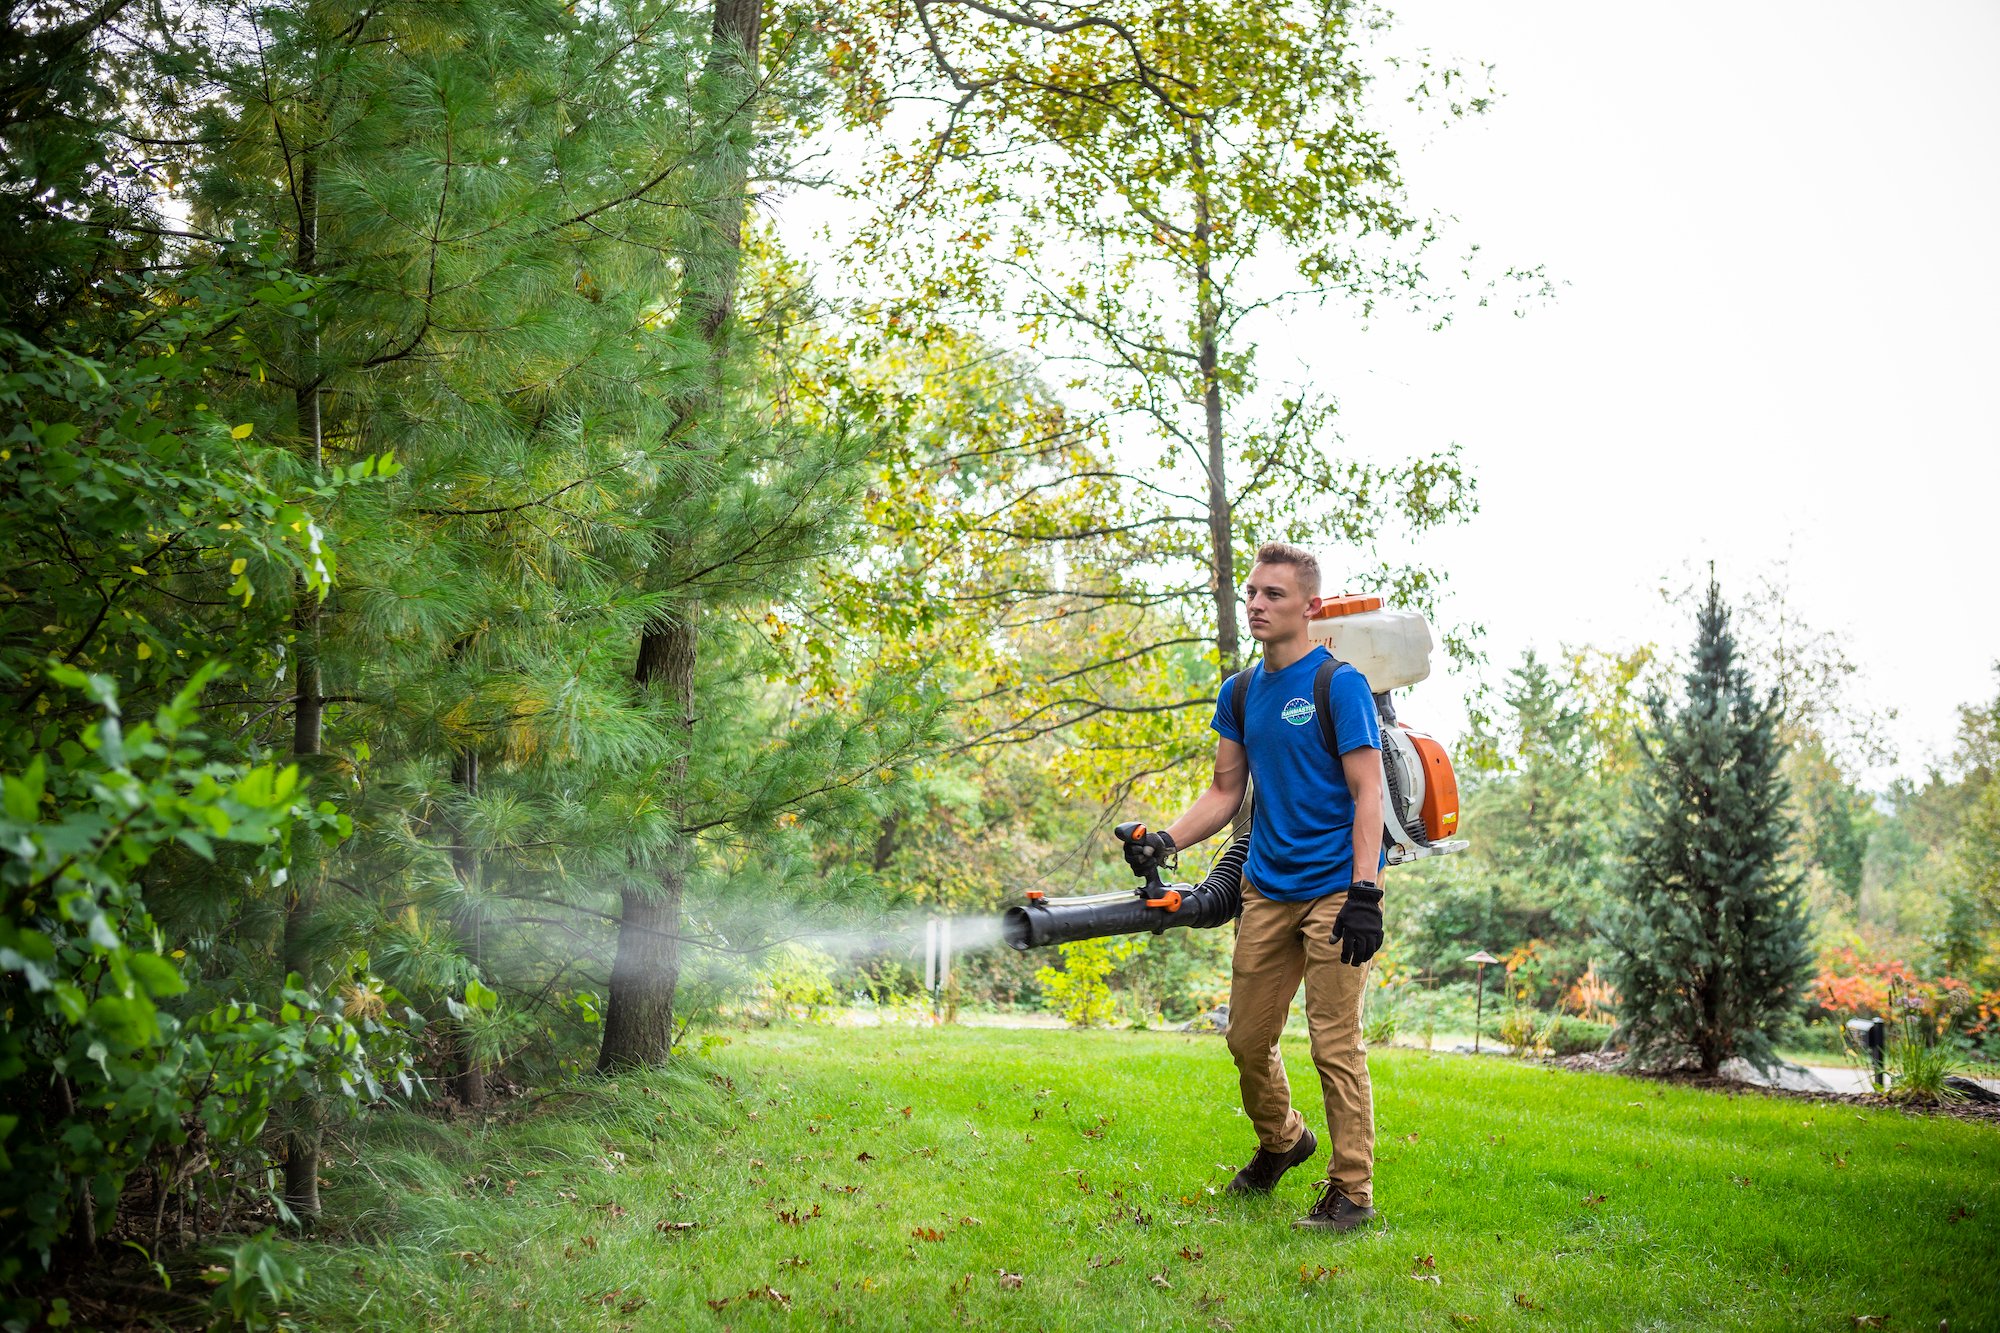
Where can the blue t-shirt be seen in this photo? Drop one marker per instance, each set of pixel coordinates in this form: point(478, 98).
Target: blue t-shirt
point(1303, 845)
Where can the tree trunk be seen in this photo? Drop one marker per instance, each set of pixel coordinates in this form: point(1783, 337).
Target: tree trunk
point(639, 1011)
point(302, 1139)
point(467, 1075)
point(1221, 526)
point(639, 1005)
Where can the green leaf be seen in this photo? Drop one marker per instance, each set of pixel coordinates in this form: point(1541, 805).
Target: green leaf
point(159, 977)
point(23, 799)
point(479, 996)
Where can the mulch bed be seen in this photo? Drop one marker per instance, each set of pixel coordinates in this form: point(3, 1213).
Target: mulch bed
point(1595, 1063)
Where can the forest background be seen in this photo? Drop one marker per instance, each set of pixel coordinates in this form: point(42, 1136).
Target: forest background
point(478, 605)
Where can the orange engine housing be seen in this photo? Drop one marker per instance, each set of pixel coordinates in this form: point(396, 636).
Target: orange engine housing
point(1440, 807)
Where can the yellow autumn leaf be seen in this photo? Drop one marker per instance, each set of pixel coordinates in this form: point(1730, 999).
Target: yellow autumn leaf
point(145, 651)
point(238, 565)
point(241, 432)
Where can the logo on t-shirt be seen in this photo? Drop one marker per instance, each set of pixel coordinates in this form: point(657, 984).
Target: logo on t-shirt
point(1298, 712)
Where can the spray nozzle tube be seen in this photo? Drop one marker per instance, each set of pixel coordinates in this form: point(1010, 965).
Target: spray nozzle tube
point(1216, 901)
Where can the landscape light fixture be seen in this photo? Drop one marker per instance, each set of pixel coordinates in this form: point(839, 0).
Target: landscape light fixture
point(1479, 1012)
point(1870, 1035)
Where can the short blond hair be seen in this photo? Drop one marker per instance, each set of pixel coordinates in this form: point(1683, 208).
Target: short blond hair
point(1298, 557)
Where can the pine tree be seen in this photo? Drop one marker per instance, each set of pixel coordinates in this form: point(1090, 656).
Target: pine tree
point(1708, 942)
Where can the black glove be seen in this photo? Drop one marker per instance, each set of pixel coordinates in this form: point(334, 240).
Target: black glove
point(1149, 852)
point(1358, 928)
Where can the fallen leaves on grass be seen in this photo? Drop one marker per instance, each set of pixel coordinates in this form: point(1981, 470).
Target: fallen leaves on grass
point(1870, 1320)
point(1526, 1302)
point(1008, 1281)
point(771, 1294)
point(794, 1261)
point(1193, 1256)
point(1159, 1280)
point(907, 1110)
point(1311, 1273)
point(864, 1157)
point(797, 1217)
point(664, 1225)
point(1592, 1200)
point(927, 1233)
point(1463, 1320)
point(1959, 1214)
point(616, 1296)
point(1410, 1138)
point(1424, 1268)
point(970, 1222)
point(1100, 1261)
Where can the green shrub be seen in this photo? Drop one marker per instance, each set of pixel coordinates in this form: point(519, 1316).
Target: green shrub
point(1577, 1036)
point(256, 1279)
point(798, 977)
point(85, 976)
point(1553, 1034)
point(1520, 1028)
point(1079, 990)
point(1383, 1020)
point(1918, 1061)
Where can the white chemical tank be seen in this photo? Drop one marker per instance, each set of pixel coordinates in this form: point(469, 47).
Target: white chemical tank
point(1391, 648)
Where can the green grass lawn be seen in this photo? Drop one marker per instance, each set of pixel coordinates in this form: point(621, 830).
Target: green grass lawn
point(903, 1178)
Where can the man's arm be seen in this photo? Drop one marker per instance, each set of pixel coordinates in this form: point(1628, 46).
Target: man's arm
point(1215, 807)
point(1363, 770)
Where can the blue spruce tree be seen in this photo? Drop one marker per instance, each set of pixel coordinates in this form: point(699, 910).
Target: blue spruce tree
point(1707, 937)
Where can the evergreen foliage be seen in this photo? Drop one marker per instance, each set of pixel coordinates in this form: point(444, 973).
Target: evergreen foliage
point(1707, 943)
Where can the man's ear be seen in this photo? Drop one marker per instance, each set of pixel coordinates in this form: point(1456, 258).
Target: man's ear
point(1313, 605)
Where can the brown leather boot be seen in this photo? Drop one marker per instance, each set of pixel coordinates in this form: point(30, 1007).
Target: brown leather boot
point(1334, 1211)
point(1261, 1176)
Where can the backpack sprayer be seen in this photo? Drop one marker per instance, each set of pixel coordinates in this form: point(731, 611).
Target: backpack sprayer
point(1392, 649)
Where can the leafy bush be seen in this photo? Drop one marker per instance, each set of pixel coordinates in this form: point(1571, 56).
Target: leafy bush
point(1078, 990)
point(1550, 1034)
point(84, 972)
point(1919, 1062)
point(256, 1280)
point(798, 977)
point(1521, 1029)
point(1569, 1035)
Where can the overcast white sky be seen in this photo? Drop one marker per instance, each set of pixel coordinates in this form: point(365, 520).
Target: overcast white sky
point(1776, 227)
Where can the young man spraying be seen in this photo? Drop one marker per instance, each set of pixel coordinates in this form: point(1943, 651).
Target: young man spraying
point(1312, 907)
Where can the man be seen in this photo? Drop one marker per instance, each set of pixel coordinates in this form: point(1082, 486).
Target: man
point(1311, 903)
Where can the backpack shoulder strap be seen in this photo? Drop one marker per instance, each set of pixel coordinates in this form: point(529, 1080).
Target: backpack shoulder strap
point(1323, 705)
point(1239, 698)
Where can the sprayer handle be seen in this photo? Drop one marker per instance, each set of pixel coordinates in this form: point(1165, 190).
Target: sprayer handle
point(1134, 834)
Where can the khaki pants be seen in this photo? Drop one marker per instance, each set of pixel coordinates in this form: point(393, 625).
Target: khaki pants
point(1276, 944)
